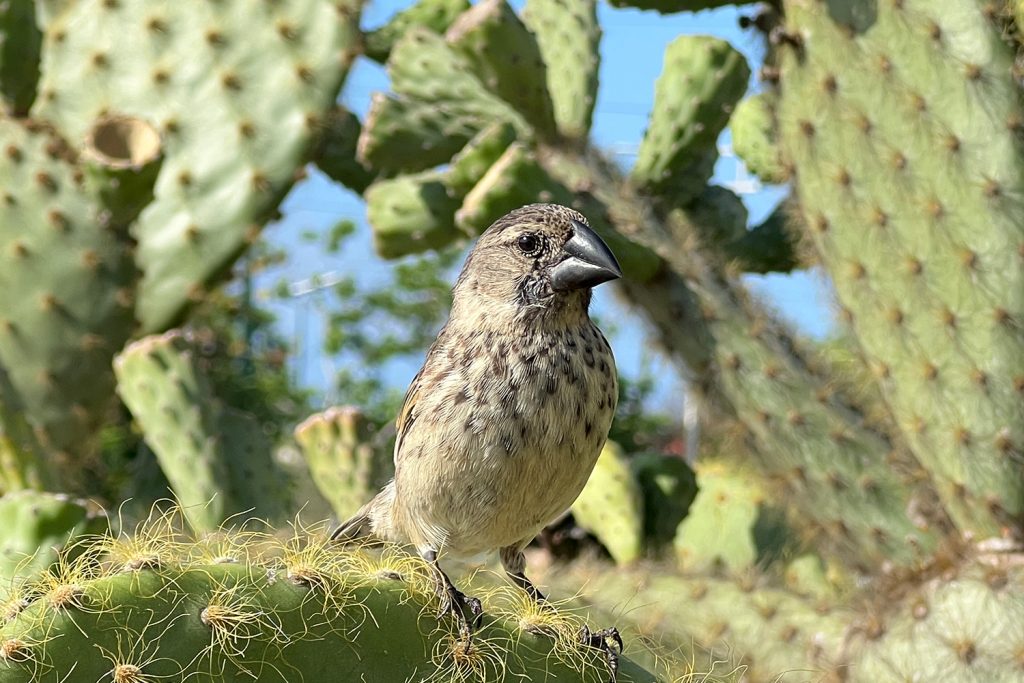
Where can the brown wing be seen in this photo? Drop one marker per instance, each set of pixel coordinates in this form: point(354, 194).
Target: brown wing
point(407, 415)
point(421, 383)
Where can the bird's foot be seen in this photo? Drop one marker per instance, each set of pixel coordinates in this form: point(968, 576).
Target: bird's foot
point(457, 604)
point(609, 642)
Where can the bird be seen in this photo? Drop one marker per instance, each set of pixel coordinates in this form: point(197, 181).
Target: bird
point(503, 424)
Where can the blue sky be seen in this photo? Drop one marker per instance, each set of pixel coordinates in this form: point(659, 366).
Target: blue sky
point(632, 50)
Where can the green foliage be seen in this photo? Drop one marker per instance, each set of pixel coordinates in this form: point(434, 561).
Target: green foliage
point(701, 81)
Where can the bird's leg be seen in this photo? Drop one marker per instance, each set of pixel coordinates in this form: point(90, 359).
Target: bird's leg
point(609, 642)
point(605, 640)
point(455, 600)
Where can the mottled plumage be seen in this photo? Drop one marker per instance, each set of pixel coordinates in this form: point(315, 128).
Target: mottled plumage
point(502, 426)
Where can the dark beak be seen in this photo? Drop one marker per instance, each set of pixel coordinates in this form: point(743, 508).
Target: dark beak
point(589, 263)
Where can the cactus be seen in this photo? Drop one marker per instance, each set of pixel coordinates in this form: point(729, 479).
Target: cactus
point(476, 158)
point(435, 15)
point(336, 150)
point(611, 506)
point(752, 125)
point(730, 524)
point(702, 80)
point(65, 264)
point(267, 76)
point(217, 459)
point(20, 41)
point(910, 210)
point(345, 460)
point(568, 35)
point(505, 56)
point(411, 213)
point(670, 6)
point(668, 487)
point(244, 607)
point(37, 526)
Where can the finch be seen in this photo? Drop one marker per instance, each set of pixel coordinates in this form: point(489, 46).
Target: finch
point(502, 426)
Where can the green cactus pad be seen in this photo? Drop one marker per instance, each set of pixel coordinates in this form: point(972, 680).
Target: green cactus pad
point(754, 138)
point(514, 180)
point(406, 135)
point(848, 482)
point(719, 216)
point(504, 55)
point(966, 628)
point(411, 213)
point(903, 124)
point(671, 6)
point(473, 161)
point(569, 38)
point(217, 460)
point(775, 634)
point(347, 464)
point(36, 527)
point(611, 506)
point(335, 152)
point(425, 68)
point(66, 268)
point(770, 247)
point(237, 90)
point(701, 81)
point(730, 524)
point(435, 15)
point(669, 487)
point(20, 42)
point(247, 608)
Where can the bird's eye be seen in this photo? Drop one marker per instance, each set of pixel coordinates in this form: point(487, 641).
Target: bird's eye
point(528, 243)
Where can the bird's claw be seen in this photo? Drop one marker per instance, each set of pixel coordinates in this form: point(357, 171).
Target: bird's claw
point(606, 641)
point(456, 604)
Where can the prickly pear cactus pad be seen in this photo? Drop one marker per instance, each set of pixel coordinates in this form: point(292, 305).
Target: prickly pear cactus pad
point(249, 607)
point(435, 15)
point(67, 279)
point(216, 459)
point(568, 35)
point(902, 121)
point(505, 56)
point(345, 458)
point(611, 506)
point(237, 90)
point(701, 81)
point(36, 526)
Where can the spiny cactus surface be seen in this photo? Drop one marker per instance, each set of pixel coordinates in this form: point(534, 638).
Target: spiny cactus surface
point(246, 607)
point(902, 120)
point(346, 458)
point(216, 458)
point(237, 91)
point(68, 279)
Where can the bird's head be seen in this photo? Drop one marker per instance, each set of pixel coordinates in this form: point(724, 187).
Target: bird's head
point(538, 257)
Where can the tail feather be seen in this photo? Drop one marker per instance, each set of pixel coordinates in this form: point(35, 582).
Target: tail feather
point(356, 527)
point(370, 520)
